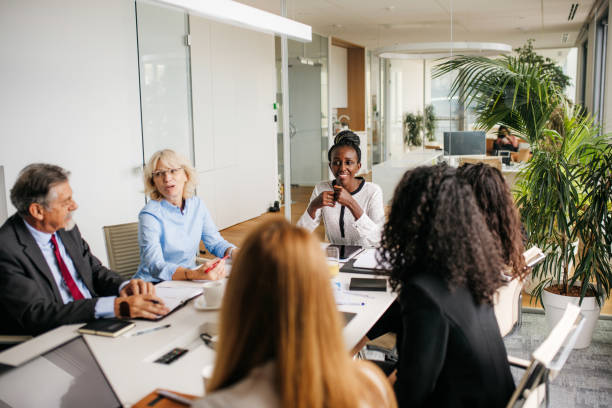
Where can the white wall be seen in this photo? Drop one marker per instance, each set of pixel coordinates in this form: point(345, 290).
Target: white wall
point(69, 89)
point(233, 87)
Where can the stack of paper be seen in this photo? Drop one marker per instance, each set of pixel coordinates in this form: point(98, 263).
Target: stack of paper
point(533, 256)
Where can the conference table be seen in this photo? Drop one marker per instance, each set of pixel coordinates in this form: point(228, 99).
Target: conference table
point(128, 362)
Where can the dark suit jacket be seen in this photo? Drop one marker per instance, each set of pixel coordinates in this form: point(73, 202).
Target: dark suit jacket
point(29, 298)
point(451, 353)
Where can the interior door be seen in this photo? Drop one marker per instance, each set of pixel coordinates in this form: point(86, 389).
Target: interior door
point(305, 122)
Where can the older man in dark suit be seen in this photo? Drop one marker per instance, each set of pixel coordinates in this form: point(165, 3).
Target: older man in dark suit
point(48, 275)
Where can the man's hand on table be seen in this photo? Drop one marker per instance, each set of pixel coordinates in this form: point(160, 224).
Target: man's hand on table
point(137, 287)
point(145, 306)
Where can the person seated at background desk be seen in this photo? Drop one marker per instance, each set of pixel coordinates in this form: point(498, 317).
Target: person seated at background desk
point(172, 223)
point(495, 201)
point(278, 346)
point(446, 267)
point(362, 223)
point(505, 140)
point(48, 275)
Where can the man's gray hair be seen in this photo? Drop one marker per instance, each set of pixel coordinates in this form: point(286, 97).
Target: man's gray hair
point(34, 185)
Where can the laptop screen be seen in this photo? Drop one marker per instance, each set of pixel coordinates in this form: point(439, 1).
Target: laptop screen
point(67, 376)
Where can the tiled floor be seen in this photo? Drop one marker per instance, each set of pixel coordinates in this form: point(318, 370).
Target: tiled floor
point(585, 380)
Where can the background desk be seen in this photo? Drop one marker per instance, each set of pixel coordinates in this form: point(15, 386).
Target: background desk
point(127, 362)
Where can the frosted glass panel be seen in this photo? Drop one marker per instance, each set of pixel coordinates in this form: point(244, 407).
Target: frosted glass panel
point(3, 196)
point(164, 80)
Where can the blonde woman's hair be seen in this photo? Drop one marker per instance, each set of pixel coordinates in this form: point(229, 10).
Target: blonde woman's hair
point(278, 306)
point(173, 160)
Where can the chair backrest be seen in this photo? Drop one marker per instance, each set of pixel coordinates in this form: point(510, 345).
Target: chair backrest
point(548, 359)
point(491, 161)
point(507, 305)
point(122, 248)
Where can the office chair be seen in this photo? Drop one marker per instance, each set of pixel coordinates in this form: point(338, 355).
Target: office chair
point(122, 248)
point(507, 305)
point(491, 161)
point(546, 361)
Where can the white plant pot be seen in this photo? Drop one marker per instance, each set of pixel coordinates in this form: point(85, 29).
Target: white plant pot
point(554, 306)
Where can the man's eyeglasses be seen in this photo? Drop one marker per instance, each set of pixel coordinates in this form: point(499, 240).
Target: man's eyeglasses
point(162, 173)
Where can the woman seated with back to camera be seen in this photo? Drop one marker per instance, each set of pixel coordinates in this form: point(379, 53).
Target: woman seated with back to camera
point(172, 223)
point(351, 208)
point(446, 267)
point(495, 201)
point(279, 348)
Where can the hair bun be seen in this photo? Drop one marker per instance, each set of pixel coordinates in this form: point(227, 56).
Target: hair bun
point(346, 136)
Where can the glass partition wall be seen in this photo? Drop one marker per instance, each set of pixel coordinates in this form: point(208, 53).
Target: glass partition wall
point(308, 110)
point(165, 79)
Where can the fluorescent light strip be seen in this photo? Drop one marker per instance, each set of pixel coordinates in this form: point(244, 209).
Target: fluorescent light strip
point(231, 12)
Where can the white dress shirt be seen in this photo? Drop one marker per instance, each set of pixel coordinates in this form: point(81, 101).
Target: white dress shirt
point(366, 231)
point(105, 306)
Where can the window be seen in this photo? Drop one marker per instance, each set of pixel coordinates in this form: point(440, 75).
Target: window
point(599, 82)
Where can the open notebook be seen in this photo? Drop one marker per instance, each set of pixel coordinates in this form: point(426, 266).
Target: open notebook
point(176, 293)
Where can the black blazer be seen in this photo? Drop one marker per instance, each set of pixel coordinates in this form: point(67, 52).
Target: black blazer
point(451, 352)
point(29, 298)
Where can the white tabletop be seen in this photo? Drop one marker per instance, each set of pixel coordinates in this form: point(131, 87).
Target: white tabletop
point(128, 361)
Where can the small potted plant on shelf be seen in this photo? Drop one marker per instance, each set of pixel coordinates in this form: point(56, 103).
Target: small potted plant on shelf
point(429, 125)
point(564, 192)
point(413, 127)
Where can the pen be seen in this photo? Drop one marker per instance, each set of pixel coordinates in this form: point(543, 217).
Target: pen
point(149, 330)
point(350, 303)
point(211, 267)
point(174, 397)
point(346, 292)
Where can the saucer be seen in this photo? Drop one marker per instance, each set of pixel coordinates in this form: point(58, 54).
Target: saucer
point(201, 305)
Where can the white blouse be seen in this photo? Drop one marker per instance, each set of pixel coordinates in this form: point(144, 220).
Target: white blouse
point(257, 390)
point(340, 225)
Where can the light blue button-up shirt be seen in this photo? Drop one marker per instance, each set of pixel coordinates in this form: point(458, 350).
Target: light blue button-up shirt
point(105, 306)
point(169, 237)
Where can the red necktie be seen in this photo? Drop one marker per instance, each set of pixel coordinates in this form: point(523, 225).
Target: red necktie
point(74, 290)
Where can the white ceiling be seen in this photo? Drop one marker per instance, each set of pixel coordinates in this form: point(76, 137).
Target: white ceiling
point(378, 23)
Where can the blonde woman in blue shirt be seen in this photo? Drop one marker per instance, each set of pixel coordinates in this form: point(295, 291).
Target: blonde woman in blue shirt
point(172, 223)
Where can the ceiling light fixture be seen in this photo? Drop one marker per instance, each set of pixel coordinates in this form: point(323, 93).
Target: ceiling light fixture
point(441, 50)
point(241, 15)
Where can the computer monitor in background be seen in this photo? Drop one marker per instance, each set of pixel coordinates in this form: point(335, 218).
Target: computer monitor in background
point(465, 143)
point(67, 376)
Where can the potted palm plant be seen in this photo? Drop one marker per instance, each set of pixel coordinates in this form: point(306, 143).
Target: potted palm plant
point(564, 192)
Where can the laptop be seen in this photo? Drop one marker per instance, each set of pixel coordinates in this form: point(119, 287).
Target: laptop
point(66, 376)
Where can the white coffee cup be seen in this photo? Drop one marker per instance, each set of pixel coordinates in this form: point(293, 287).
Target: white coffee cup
point(207, 372)
point(213, 293)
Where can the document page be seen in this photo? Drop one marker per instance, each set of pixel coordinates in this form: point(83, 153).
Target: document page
point(366, 259)
point(174, 295)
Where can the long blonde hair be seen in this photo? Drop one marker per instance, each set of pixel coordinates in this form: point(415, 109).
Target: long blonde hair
point(278, 306)
point(171, 159)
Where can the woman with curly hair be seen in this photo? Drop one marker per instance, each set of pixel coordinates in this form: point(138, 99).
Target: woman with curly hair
point(446, 267)
point(495, 201)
